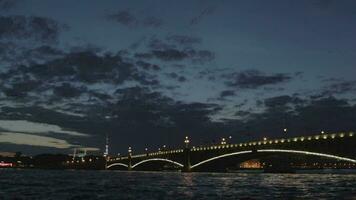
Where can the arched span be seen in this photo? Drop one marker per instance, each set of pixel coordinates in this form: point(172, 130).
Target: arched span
point(117, 164)
point(157, 159)
point(218, 157)
point(280, 151)
point(309, 153)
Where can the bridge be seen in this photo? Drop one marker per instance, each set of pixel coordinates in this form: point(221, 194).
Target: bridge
point(333, 148)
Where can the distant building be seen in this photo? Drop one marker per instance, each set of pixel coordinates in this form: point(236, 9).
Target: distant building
point(251, 164)
point(7, 154)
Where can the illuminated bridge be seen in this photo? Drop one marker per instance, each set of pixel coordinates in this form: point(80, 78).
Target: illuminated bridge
point(328, 149)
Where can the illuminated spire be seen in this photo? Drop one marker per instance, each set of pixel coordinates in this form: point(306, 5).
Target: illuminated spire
point(106, 153)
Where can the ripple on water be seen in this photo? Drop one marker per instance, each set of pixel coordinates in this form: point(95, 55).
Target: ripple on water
point(45, 184)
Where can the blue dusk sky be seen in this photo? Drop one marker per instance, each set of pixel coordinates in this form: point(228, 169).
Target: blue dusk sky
point(148, 73)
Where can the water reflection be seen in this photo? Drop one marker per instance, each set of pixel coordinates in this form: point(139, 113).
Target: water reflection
point(37, 184)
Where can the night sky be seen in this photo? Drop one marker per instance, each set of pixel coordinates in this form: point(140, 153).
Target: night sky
point(147, 73)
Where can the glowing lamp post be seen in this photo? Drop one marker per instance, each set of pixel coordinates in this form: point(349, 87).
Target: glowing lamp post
point(186, 141)
point(285, 130)
point(130, 151)
point(186, 152)
point(146, 151)
point(223, 141)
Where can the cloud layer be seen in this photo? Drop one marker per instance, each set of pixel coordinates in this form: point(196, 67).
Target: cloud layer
point(153, 73)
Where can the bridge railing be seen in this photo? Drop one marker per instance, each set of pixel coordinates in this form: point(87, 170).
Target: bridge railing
point(276, 141)
point(330, 136)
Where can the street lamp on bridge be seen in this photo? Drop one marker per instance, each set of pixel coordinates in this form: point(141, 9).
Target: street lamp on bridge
point(129, 151)
point(223, 141)
point(186, 141)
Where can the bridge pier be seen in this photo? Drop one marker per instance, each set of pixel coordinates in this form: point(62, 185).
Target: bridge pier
point(187, 165)
point(129, 164)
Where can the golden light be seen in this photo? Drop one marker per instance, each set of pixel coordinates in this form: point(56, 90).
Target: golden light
point(223, 141)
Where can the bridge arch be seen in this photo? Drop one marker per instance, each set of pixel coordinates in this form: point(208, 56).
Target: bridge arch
point(117, 164)
point(157, 159)
point(218, 157)
point(308, 153)
point(276, 151)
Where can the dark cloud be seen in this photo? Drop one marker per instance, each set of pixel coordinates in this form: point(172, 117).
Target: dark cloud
point(280, 101)
point(170, 55)
point(48, 50)
point(200, 56)
point(143, 55)
point(6, 5)
point(157, 44)
point(87, 48)
point(177, 77)
point(30, 39)
point(329, 102)
point(173, 75)
point(100, 95)
point(184, 40)
point(70, 75)
point(182, 79)
point(176, 48)
point(67, 122)
point(140, 106)
point(86, 67)
point(242, 113)
point(328, 114)
point(146, 79)
point(139, 111)
point(43, 53)
point(227, 93)
point(8, 51)
point(124, 17)
point(66, 90)
point(205, 12)
point(21, 89)
point(35, 28)
point(13, 53)
point(252, 79)
point(147, 66)
point(130, 19)
point(340, 87)
point(152, 22)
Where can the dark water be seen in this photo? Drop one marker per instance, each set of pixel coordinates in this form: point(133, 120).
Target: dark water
point(51, 184)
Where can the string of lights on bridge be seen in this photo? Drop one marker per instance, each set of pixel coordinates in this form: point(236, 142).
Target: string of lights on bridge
point(223, 144)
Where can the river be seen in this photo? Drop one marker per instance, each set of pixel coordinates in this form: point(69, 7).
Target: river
point(66, 184)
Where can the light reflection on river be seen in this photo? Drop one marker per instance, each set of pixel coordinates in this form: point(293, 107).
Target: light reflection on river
point(52, 184)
